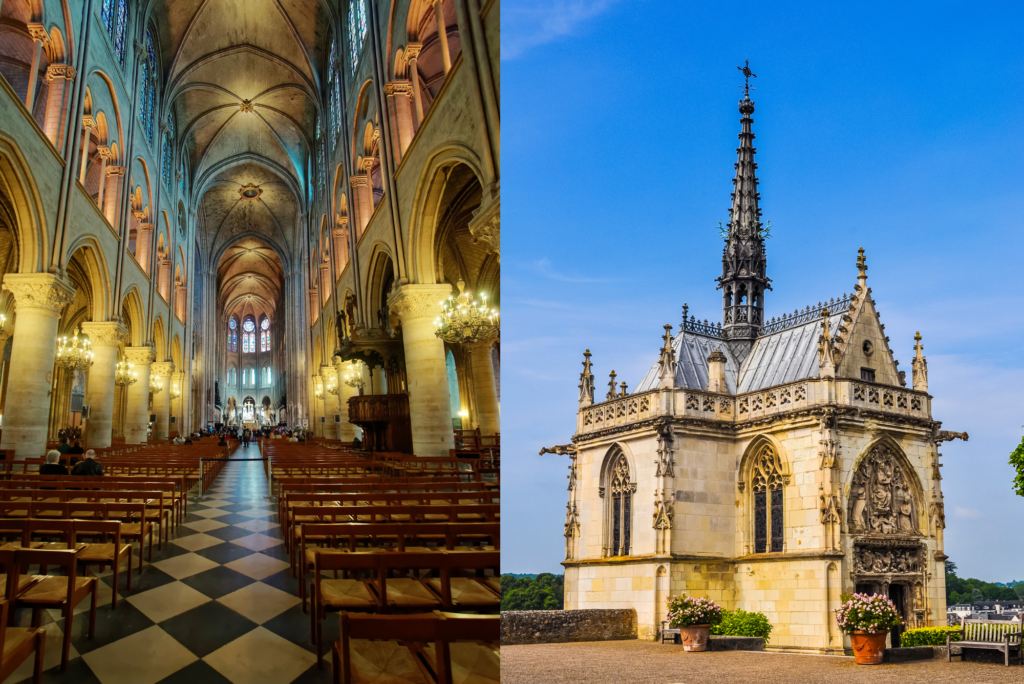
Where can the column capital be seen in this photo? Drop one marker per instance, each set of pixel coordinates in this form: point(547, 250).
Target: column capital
point(341, 232)
point(88, 121)
point(38, 33)
point(103, 151)
point(140, 214)
point(140, 356)
point(398, 87)
point(115, 170)
point(105, 333)
point(485, 226)
point(418, 301)
point(359, 181)
point(162, 369)
point(39, 291)
point(164, 127)
point(140, 51)
point(412, 51)
point(65, 71)
point(145, 225)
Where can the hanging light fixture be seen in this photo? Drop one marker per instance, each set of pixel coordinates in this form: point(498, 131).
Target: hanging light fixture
point(155, 386)
point(124, 374)
point(332, 386)
point(3, 323)
point(73, 353)
point(175, 392)
point(463, 320)
point(318, 392)
point(354, 375)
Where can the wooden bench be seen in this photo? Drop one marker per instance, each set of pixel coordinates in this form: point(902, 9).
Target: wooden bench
point(668, 632)
point(999, 636)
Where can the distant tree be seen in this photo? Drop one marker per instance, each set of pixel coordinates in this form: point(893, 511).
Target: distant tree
point(1018, 589)
point(543, 592)
point(950, 567)
point(976, 595)
point(1017, 461)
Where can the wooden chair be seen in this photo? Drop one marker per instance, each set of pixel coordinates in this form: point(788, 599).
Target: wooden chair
point(134, 526)
point(469, 647)
point(104, 553)
point(18, 644)
point(467, 592)
point(57, 592)
point(409, 593)
point(375, 648)
point(339, 594)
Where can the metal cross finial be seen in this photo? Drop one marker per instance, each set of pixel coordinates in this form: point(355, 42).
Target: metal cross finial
point(747, 74)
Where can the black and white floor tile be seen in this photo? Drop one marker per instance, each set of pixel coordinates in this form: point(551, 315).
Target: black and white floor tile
point(218, 604)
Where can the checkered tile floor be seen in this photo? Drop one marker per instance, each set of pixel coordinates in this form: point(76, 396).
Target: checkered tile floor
point(217, 605)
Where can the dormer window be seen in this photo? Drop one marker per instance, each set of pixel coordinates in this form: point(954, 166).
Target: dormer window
point(867, 374)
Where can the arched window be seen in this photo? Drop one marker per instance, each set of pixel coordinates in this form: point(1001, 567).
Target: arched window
point(181, 174)
point(232, 379)
point(321, 170)
point(249, 377)
point(148, 94)
point(114, 14)
point(334, 94)
point(248, 336)
point(265, 335)
point(356, 29)
point(167, 154)
point(268, 376)
point(620, 509)
point(232, 335)
point(766, 485)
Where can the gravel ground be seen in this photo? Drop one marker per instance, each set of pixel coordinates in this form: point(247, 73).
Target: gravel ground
point(618, 662)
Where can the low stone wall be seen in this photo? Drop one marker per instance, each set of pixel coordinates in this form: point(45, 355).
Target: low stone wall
point(560, 626)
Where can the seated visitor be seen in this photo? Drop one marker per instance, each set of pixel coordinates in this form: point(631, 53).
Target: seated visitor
point(188, 440)
point(76, 449)
point(223, 441)
point(52, 465)
point(64, 446)
point(88, 465)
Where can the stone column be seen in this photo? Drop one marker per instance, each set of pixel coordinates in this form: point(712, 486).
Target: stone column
point(38, 300)
point(346, 430)
point(400, 115)
point(164, 278)
point(104, 152)
point(442, 35)
point(143, 243)
point(162, 400)
point(58, 76)
point(40, 37)
point(136, 421)
point(340, 236)
point(412, 53)
point(362, 193)
point(112, 195)
point(332, 403)
point(87, 123)
point(105, 338)
point(488, 411)
point(417, 307)
point(314, 305)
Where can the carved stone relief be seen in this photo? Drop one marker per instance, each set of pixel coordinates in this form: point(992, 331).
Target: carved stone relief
point(881, 499)
point(887, 561)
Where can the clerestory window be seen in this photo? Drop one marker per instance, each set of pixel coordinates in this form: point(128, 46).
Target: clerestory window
point(232, 335)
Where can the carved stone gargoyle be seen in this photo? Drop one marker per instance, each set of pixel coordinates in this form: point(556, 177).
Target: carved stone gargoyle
point(560, 450)
point(947, 436)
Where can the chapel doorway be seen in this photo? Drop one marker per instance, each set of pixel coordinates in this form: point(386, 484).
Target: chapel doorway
point(897, 595)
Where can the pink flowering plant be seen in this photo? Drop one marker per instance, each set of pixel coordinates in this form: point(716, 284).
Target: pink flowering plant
point(684, 611)
point(874, 614)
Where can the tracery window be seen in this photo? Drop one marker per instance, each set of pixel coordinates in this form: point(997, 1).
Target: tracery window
point(265, 335)
point(167, 154)
point(321, 167)
point(232, 335)
point(356, 29)
point(248, 336)
point(148, 94)
point(621, 491)
point(181, 176)
point(268, 376)
point(249, 378)
point(232, 379)
point(114, 14)
point(766, 485)
point(334, 86)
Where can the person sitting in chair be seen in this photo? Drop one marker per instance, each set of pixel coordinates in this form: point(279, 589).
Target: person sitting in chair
point(88, 465)
point(53, 465)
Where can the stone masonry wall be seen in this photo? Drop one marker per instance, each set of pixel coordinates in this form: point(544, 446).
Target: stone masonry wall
point(559, 626)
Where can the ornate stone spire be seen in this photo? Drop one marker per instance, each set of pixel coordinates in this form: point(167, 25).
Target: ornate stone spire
point(667, 362)
point(919, 365)
point(586, 382)
point(611, 387)
point(744, 260)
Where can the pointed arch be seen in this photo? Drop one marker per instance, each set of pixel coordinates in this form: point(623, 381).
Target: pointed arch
point(884, 492)
point(764, 474)
point(617, 489)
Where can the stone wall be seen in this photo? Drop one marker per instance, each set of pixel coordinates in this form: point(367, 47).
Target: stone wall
point(559, 626)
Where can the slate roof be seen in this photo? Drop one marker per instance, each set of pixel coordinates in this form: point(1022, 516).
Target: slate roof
point(775, 359)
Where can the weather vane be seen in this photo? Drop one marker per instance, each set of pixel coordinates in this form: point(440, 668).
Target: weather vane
point(747, 74)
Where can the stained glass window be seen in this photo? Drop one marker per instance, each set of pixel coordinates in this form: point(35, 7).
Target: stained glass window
point(622, 499)
point(120, 30)
point(265, 335)
point(167, 154)
point(248, 336)
point(320, 158)
point(767, 482)
point(760, 522)
point(356, 29)
point(331, 78)
point(181, 179)
point(232, 335)
point(107, 15)
point(149, 88)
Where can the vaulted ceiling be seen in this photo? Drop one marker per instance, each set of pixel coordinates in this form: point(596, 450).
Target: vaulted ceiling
point(242, 81)
point(250, 279)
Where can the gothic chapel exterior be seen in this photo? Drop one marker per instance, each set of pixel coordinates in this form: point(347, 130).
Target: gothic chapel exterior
point(767, 464)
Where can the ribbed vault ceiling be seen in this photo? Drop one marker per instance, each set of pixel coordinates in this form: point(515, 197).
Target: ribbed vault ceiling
point(250, 278)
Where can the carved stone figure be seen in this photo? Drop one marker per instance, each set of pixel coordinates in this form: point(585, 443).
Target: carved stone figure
point(881, 496)
point(906, 508)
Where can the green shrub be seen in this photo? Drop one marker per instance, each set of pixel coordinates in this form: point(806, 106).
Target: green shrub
point(741, 623)
point(929, 636)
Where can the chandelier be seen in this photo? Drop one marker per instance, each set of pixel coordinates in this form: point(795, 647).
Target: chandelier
point(331, 386)
point(354, 376)
point(124, 375)
point(463, 320)
point(318, 392)
point(3, 323)
point(175, 392)
point(155, 386)
point(74, 353)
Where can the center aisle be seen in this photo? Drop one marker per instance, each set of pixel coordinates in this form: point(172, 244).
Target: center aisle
point(217, 605)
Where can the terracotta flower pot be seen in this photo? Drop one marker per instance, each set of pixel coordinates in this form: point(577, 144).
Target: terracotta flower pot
point(695, 637)
point(868, 648)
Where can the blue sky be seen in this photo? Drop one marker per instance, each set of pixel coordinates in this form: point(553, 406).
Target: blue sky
point(892, 127)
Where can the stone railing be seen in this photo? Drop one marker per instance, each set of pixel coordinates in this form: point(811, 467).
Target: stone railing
point(620, 411)
point(561, 626)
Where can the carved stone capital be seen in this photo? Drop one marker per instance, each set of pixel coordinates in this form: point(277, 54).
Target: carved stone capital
point(359, 181)
point(485, 226)
point(38, 33)
point(105, 334)
point(140, 51)
point(400, 87)
point(163, 369)
point(103, 151)
point(140, 356)
point(340, 232)
point(144, 226)
point(412, 51)
point(65, 71)
point(366, 163)
point(418, 301)
point(164, 127)
point(115, 171)
point(39, 291)
point(88, 121)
